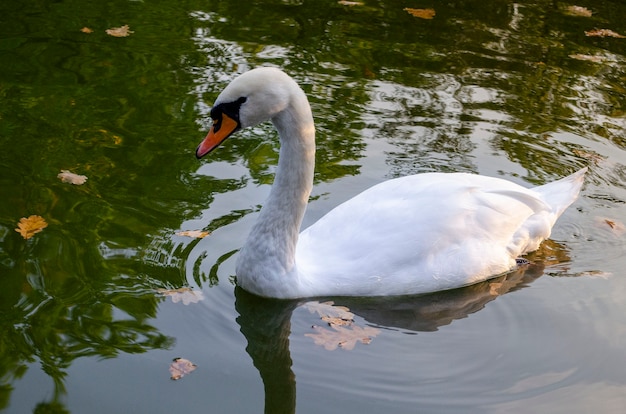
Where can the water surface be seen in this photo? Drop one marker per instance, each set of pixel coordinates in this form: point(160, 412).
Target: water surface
point(508, 89)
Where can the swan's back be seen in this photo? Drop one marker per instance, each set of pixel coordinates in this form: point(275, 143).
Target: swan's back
point(428, 232)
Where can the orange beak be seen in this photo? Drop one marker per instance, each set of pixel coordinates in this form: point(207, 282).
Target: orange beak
point(217, 134)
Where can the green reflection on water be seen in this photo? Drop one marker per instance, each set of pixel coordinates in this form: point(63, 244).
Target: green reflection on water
point(127, 113)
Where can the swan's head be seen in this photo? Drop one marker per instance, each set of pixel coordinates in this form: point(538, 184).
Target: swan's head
point(251, 98)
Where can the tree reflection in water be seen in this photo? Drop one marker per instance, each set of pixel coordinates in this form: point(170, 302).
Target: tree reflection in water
point(53, 318)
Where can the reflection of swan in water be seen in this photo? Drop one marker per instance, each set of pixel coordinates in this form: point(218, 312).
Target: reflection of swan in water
point(266, 324)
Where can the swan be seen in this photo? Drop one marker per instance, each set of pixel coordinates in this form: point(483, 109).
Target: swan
point(415, 234)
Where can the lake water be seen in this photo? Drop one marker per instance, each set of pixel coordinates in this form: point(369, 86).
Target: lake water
point(95, 307)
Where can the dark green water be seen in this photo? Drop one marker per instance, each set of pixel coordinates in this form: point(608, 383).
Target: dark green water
point(492, 87)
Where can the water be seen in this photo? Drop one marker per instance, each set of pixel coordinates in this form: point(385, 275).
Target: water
point(483, 87)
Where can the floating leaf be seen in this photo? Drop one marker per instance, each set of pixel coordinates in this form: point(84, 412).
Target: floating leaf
point(350, 3)
point(198, 234)
point(335, 321)
point(578, 11)
point(69, 177)
point(589, 58)
point(122, 31)
point(603, 33)
point(181, 367)
point(421, 13)
point(343, 333)
point(596, 274)
point(342, 337)
point(589, 155)
point(616, 227)
point(86, 30)
point(329, 311)
point(30, 226)
point(184, 294)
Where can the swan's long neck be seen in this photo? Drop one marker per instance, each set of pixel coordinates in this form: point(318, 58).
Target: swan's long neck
point(268, 256)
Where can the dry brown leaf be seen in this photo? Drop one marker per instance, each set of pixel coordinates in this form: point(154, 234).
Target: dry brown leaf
point(330, 310)
point(335, 321)
point(604, 33)
point(86, 30)
point(615, 225)
point(421, 13)
point(30, 226)
point(198, 234)
point(597, 274)
point(184, 294)
point(122, 31)
point(578, 11)
point(342, 337)
point(69, 177)
point(589, 155)
point(589, 58)
point(181, 367)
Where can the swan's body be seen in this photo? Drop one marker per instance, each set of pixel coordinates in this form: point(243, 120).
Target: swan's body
point(409, 235)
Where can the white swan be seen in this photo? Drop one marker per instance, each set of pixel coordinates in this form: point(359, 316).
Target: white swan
point(415, 234)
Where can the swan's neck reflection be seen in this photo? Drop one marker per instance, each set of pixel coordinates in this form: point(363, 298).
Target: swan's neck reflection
point(266, 324)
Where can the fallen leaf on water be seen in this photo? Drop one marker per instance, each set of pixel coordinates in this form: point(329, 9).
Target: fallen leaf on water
point(603, 33)
point(596, 274)
point(335, 321)
point(421, 13)
point(86, 30)
point(181, 367)
point(69, 177)
point(589, 155)
point(342, 337)
point(578, 11)
point(329, 312)
point(350, 3)
point(122, 31)
point(198, 234)
point(30, 226)
point(616, 226)
point(589, 58)
point(343, 333)
point(184, 294)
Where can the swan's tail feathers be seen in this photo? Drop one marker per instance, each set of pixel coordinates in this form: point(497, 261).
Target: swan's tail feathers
point(562, 193)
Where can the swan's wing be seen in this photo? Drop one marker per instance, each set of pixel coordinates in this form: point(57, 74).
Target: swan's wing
point(430, 229)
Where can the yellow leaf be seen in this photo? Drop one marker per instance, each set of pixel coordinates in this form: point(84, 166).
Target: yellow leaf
point(181, 367)
point(578, 11)
point(122, 31)
point(86, 30)
point(69, 177)
point(421, 13)
point(350, 3)
point(30, 226)
point(603, 33)
point(198, 234)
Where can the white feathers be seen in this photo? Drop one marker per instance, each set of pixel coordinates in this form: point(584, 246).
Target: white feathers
point(409, 235)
